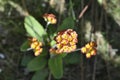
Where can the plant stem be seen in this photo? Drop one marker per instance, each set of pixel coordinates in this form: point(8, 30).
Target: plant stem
point(46, 27)
point(94, 69)
point(49, 76)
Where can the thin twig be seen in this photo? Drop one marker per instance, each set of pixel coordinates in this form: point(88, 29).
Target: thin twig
point(46, 27)
point(18, 8)
point(94, 68)
point(84, 9)
point(107, 31)
point(49, 76)
point(108, 70)
point(24, 6)
point(82, 61)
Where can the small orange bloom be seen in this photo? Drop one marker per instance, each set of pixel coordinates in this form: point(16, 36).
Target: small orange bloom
point(89, 49)
point(66, 41)
point(38, 51)
point(88, 55)
point(83, 50)
point(93, 52)
point(50, 18)
point(93, 44)
point(36, 46)
point(88, 46)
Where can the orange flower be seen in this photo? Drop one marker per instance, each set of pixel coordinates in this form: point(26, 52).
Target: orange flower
point(93, 44)
point(88, 55)
point(36, 46)
point(50, 18)
point(93, 52)
point(66, 41)
point(83, 50)
point(38, 51)
point(89, 49)
point(87, 46)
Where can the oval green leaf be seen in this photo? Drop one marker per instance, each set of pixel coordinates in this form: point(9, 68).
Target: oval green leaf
point(26, 59)
point(25, 46)
point(40, 75)
point(67, 23)
point(72, 58)
point(34, 28)
point(56, 66)
point(37, 63)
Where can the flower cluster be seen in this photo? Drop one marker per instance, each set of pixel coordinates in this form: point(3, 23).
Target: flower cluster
point(89, 49)
point(50, 18)
point(36, 46)
point(65, 41)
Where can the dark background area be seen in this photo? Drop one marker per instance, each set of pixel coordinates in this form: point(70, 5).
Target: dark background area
point(101, 21)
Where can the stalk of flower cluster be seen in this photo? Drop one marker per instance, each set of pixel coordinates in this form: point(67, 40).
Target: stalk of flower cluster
point(46, 27)
point(75, 50)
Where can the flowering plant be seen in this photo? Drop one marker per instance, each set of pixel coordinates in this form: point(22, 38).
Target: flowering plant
point(50, 48)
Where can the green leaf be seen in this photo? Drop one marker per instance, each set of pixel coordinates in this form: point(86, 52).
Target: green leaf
point(37, 63)
point(67, 23)
point(53, 43)
point(26, 59)
point(72, 58)
point(44, 52)
point(25, 46)
point(34, 28)
point(56, 66)
point(63, 55)
point(40, 75)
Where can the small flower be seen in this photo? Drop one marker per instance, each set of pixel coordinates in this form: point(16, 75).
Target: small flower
point(93, 52)
point(89, 49)
point(93, 44)
point(36, 46)
point(88, 46)
point(65, 41)
point(88, 55)
point(37, 51)
point(50, 18)
point(83, 50)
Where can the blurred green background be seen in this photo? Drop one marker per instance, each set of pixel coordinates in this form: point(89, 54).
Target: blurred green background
point(101, 21)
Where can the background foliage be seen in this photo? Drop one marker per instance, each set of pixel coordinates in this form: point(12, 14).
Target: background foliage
point(101, 20)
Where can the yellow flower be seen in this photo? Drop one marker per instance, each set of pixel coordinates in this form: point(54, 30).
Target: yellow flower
point(93, 44)
point(59, 46)
point(66, 41)
point(38, 51)
point(89, 49)
point(83, 50)
point(88, 55)
point(72, 48)
point(72, 43)
point(58, 38)
point(88, 46)
point(93, 52)
point(50, 18)
point(36, 46)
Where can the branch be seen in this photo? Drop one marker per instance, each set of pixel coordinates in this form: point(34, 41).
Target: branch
point(84, 9)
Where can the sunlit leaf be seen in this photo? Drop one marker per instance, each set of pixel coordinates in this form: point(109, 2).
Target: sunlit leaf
point(34, 28)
